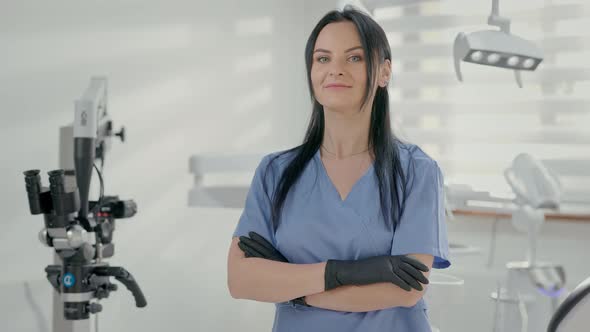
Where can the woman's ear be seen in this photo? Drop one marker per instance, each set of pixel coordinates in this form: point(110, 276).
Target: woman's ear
point(384, 73)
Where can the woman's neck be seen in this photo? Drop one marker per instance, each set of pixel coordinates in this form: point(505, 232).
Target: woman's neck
point(346, 134)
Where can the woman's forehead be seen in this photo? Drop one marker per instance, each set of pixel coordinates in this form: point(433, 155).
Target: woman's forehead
point(338, 37)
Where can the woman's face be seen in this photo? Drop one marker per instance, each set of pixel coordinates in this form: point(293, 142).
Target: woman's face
point(338, 71)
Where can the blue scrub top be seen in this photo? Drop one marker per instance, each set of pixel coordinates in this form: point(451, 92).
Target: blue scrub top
point(317, 225)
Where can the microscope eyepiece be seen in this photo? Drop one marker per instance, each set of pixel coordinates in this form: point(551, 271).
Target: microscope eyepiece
point(57, 188)
point(56, 181)
point(33, 181)
point(31, 172)
point(33, 186)
point(63, 202)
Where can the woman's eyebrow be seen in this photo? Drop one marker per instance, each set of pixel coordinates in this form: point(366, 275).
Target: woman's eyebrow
point(348, 50)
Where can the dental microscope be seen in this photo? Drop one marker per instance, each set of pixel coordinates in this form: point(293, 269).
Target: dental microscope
point(81, 231)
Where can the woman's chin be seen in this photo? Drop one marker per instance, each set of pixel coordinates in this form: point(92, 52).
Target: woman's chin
point(339, 106)
point(341, 110)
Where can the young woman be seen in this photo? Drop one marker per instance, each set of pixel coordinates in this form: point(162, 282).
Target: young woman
point(341, 231)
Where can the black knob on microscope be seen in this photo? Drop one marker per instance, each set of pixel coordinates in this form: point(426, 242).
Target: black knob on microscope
point(121, 134)
point(94, 307)
point(101, 294)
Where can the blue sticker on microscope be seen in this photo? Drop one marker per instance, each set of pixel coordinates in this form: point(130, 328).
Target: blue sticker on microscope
point(69, 280)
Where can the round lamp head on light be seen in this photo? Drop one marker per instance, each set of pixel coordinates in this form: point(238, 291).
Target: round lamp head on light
point(476, 56)
point(493, 58)
point(528, 63)
point(513, 61)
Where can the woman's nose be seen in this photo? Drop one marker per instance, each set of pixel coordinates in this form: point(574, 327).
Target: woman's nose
point(336, 73)
point(336, 68)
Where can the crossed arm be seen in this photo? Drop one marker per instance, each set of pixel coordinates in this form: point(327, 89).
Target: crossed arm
point(270, 281)
point(370, 297)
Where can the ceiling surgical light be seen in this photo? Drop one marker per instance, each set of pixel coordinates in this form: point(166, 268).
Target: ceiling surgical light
point(498, 48)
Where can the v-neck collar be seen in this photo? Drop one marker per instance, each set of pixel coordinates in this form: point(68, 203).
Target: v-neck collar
point(323, 170)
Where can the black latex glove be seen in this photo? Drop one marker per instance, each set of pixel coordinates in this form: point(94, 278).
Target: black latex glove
point(403, 271)
point(258, 246)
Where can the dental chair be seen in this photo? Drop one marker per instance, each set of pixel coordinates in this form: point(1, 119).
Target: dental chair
point(572, 313)
point(532, 288)
point(536, 187)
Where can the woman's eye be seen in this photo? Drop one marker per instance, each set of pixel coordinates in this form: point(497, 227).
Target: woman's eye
point(322, 59)
point(355, 58)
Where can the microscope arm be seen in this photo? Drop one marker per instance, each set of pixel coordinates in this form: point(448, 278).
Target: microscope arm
point(126, 279)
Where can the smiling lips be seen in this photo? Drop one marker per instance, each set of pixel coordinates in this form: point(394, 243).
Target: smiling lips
point(336, 86)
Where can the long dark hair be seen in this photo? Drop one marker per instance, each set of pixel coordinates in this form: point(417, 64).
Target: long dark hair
point(381, 139)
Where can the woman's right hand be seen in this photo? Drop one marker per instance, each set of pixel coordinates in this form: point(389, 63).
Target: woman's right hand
point(402, 270)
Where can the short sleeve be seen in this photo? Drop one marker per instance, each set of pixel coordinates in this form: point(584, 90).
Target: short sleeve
point(257, 209)
point(422, 228)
